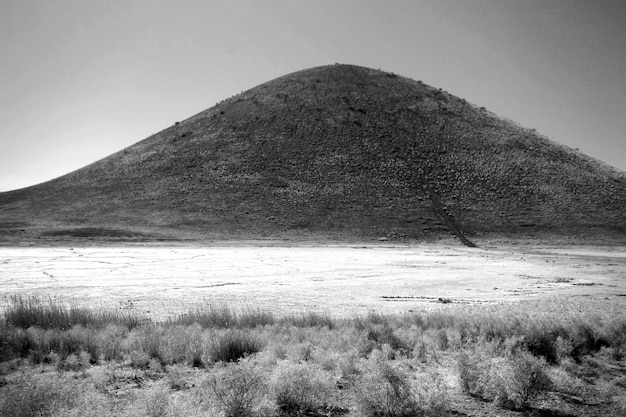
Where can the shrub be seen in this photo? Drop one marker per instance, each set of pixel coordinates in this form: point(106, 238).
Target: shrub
point(431, 393)
point(33, 397)
point(74, 362)
point(84, 341)
point(111, 341)
point(194, 351)
point(300, 352)
point(617, 332)
point(15, 343)
point(512, 380)
point(381, 335)
point(586, 338)
point(232, 346)
point(177, 377)
point(237, 388)
point(157, 402)
point(564, 382)
point(420, 351)
point(183, 344)
point(139, 359)
point(148, 342)
point(473, 369)
point(442, 342)
point(40, 343)
point(88, 403)
point(383, 390)
point(521, 380)
point(300, 388)
point(346, 365)
point(542, 343)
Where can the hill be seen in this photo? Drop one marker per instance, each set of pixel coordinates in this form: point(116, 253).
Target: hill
point(340, 152)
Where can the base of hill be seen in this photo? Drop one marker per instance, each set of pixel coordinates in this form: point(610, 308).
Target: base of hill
point(26, 234)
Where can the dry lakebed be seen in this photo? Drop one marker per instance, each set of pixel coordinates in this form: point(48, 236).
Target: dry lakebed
point(341, 280)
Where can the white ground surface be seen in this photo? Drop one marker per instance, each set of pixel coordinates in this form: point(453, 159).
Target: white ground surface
point(341, 280)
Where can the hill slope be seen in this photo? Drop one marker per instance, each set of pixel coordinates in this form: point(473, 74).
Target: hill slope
point(336, 151)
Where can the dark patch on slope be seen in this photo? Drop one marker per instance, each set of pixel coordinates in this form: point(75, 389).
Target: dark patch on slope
point(90, 232)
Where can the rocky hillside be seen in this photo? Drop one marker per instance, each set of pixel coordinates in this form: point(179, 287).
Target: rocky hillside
point(339, 152)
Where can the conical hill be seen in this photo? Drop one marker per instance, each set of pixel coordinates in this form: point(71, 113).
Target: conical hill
point(339, 152)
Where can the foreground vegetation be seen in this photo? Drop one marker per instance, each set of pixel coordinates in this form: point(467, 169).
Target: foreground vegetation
point(549, 358)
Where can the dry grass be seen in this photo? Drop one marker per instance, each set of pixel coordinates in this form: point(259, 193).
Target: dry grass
point(50, 313)
point(511, 356)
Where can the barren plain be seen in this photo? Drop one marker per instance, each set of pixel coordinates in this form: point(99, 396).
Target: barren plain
point(341, 280)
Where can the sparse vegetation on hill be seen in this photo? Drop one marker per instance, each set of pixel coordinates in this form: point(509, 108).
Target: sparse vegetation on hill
point(532, 358)
point(337, 151)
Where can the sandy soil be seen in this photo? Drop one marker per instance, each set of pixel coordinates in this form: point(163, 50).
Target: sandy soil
point(339, 279)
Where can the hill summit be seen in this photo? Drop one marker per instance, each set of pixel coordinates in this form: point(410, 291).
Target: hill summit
point(341, 152)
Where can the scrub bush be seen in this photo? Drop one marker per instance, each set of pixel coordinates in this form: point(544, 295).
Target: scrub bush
point(237, 388)
point(232, 346)
point(383, 390)
point(300, 388)
point(510, 380)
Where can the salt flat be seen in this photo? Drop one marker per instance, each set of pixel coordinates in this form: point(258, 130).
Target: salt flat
point(338, 279)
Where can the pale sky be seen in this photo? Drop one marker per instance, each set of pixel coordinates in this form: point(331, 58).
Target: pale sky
point(81, 79)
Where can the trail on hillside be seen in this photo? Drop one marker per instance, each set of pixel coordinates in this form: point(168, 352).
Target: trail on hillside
point(447, 218)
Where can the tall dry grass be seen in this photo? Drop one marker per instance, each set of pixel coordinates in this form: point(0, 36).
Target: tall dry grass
point(375, 364)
